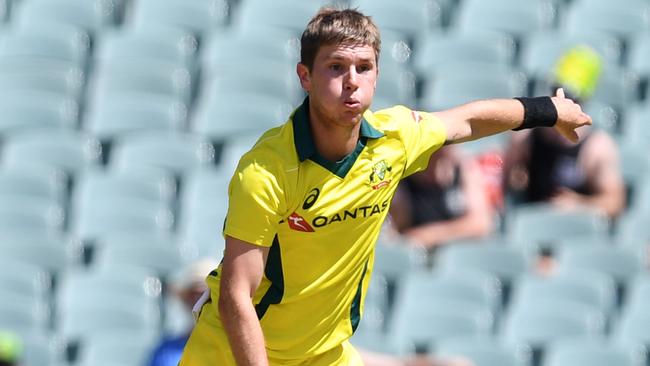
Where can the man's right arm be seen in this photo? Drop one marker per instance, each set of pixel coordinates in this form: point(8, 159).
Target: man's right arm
point(242, 271)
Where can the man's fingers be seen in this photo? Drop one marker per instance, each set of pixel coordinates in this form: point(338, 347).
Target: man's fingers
point(560, 93)
point(570, 134)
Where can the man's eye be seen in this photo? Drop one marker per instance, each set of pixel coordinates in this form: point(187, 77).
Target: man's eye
point(335, 67)
point(364, 68)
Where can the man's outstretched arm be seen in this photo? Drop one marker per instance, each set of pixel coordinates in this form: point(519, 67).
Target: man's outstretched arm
point(482, 118)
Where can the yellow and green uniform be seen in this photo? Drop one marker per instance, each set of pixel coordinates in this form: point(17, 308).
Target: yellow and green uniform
point(321, 220)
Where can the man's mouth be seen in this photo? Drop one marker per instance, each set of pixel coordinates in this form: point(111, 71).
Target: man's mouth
point(352, 103)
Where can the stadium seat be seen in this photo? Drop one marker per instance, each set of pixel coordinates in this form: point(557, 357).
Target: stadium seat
point(204, 202)
point(285, 14)
point(592, 352)
point(588, 288)
point(474, 287)
point(539, 323)
point(605, 116)
point(528, 226)
point(621, 21)
point(158, 254)
point(42, 74)
point(32, 215)
point(6, 9)
point(423, 319)
point(140, 76)
point(638, 290)
point(638, 53)
point(140, 201)
point(419, 16)
point(154, 185)
point(37, 109)
point(396, 48)
point(635, 165)
point(397, 84)
point(175, 153)
point(41, 349)
point(542, 50)
point(440, 49)
point(635, 132)
point(47, 40)
point(632, 329)
point(68, 150)
point(120, 114)
point(484, 351)
point(617, 262)
point(395, 260)
point(43, 81)
point(617, 88)
point(93, 303)
point(154, 43)
point(33, 182)
point(93, 15)
point(52, 252)
point(225, 115)
point(197, 16)
point(24, 281)
point(272, 78)
point(236, 46)
point(505, 262)
point(460, 83)
point(116, 348)
point(380, 342)
point(18, 316)
point(511, 16)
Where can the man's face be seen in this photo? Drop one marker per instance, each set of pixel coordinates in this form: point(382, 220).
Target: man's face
point(341, 83)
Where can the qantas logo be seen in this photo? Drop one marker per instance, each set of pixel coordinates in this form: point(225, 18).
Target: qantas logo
point(298, 223)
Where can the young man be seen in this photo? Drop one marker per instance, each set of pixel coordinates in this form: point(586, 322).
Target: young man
point(307, 202)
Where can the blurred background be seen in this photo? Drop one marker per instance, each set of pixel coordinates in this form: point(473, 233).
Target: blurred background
point(121, 122)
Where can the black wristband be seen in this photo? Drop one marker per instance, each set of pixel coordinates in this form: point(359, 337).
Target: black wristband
point(538, 112)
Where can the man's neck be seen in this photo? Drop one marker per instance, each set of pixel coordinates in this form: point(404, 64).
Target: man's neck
point(333, 142)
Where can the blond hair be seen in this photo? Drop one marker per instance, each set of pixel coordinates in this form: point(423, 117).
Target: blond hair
point(333, 26)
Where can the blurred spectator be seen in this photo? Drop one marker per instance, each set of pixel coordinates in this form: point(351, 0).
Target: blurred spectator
point(447, 201)
point(187, 286)
point(10, 349)
point(541, 166)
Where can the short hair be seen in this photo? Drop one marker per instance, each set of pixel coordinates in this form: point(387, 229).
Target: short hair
point(337, 26)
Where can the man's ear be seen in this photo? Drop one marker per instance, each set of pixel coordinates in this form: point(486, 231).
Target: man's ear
point(304, 75)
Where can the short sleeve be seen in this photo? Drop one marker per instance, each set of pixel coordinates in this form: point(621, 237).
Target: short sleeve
point(254, 204)
point(421, 134)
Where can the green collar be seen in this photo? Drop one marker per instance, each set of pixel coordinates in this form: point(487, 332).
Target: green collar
point(304, 141)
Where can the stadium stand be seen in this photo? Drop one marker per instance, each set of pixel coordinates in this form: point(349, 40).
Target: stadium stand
point(122, 121)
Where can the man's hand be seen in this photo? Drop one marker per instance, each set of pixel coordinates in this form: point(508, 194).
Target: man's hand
point(569, 116)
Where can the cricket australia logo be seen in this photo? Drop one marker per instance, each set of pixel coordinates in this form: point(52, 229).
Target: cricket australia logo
point(379, 175)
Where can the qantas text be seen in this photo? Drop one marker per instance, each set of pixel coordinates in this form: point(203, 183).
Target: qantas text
point(359, 212)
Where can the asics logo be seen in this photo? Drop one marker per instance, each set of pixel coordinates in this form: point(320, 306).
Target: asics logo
point(311, 199)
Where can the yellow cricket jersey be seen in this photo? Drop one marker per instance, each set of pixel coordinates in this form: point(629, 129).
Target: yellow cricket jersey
point(321, 220)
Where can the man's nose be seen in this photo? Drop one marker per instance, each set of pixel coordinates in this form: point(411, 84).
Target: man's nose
point(351, 79)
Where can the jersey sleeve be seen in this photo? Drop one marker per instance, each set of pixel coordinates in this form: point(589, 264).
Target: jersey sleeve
point(254, 205)
point(420, 132)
